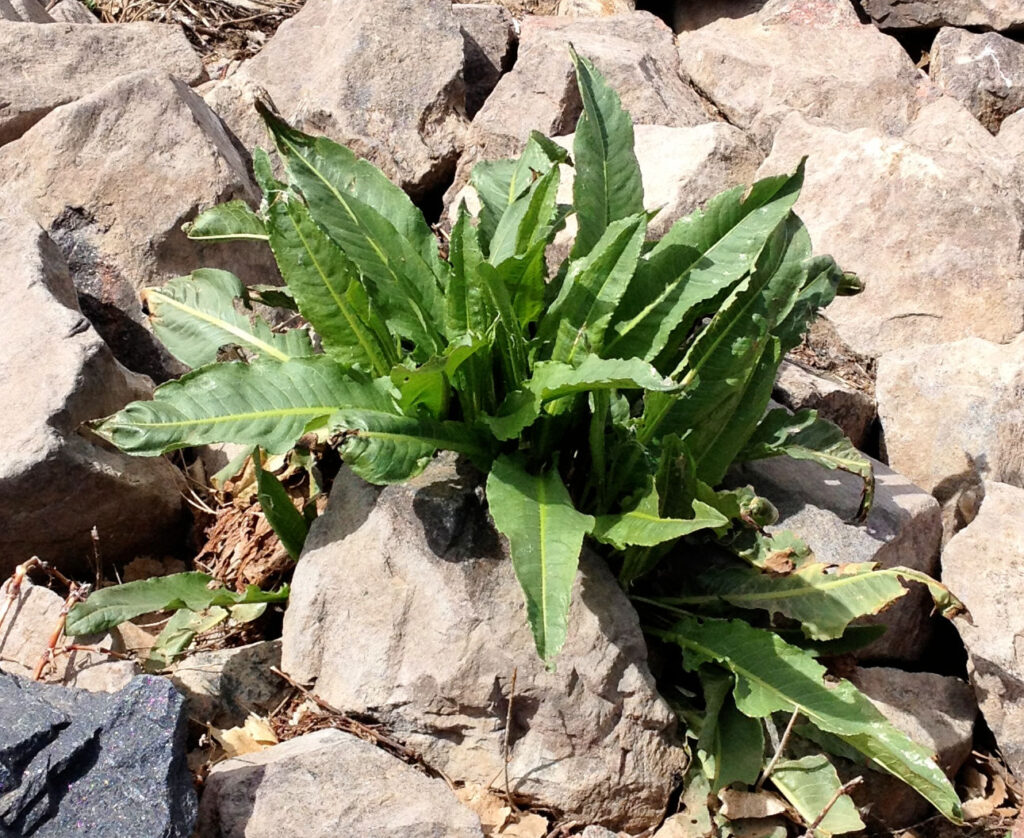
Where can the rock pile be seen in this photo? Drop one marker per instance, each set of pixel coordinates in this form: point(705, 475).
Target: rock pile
point(111, 137)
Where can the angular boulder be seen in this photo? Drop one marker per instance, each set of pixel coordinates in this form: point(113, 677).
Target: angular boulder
point(953, 415)
point(983, 71)
point(930, 222)
point(983, 564)
point(359, 72)
point(72, 11)
point(405, 607)
point(24, 11)
point(933, 14)
point(112, 177)
point(800, 388)
point(56, 482)
point(327, 784)
point(902, 529)
point(99, 764)
point(635, 53)
point(813, 58)
point(70, 61)
point(489, 40)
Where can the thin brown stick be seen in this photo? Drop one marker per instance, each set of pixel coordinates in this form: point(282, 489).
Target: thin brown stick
point(78, 593)
point(778, 751)
point(67, 648)
point(12, 586)
point(506, 755)
point(839, 792)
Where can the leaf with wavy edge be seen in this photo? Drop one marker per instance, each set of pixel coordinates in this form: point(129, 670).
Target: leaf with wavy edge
point(230, 221)
point(810, 784)
point(265, 403)
point(194, 316)
point(773, 676)
point(824, 602)
point(545, 535)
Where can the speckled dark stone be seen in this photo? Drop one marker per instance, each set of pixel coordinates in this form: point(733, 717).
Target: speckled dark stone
point(98, 764)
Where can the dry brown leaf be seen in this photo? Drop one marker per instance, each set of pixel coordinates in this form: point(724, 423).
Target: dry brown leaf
point(981, 807)
point(750, 804)
point(678, 826)
point(255, 735)
point(528, 825)
point(497, 817)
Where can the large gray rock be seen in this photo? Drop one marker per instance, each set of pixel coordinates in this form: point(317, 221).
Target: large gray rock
point(72, 11)
point(383, 77)
point(635, 53)
point(328, 784)
point(903, 529)
point(813, 58)
point(935, 711)
point(932, 14)
point(984, 565)
point(70, 61)
point(937, 227)
point(24, 11)
point(112, 177)
point(56, 484)
point(105, 765)
point(953, 416)
point(225, 685)
point(800, 388)
point(982, 71)
point(24, 636)
point(489, 39)
point(405, 606)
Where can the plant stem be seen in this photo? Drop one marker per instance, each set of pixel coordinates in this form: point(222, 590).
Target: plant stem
point(778, 751)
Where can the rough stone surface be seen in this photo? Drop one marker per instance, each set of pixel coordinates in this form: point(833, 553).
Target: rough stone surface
point(689, 16)
point(903, 529)
point(929, 221)
point(113, 177)
point(81, 763)
point(405, 606)
point(42, 67)
point(982, 71)
point(72, 11)
point(358, 72)
point(799, 388)
point(635, 53)
point(932, 14)
point(55, 482)
point(594, 8)
point(953, 416)
point(984, 565)
point(933, 710)
point(489, 39)
point(222, 687)
point(811, 57)
point(24, 11)
point(329, 784)
point(23, 641)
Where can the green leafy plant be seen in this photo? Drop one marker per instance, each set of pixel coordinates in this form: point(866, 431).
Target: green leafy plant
point(605, 401)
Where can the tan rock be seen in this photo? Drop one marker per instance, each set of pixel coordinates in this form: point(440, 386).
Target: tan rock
point(24, 11)
point(72, 11)
point(489, 39)
point(594, 8)
point(43, 67)
point(800, 388)
point(930, 225)
point(112, 177)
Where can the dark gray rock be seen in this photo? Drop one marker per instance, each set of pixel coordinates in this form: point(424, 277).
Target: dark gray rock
point(489, 37)
point(79, 763)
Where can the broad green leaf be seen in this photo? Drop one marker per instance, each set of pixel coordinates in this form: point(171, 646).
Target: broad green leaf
point(554, 380)
point(577, 320)
point(227, 222)
point(328, 291)
point(178, 634)
point(469, 310)
point(643, 525)
point(607, 187)
point(194, 316)
point(804, 436)
point(376, 226)
point(824, 601)
point(702, 256)
point(109, 607)
point(773, 676)
point(386, 447)
point(498, 183)
point(731, 745)
point(285, 520)
point(824, 279)
point(527, 221)
point(265, 403)
point(423, 388)
point(810, 784)
point(545, 534)
point(525, 278)
point(724, 362)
